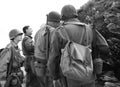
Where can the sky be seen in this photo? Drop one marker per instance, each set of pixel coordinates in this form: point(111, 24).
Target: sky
point(15, 14)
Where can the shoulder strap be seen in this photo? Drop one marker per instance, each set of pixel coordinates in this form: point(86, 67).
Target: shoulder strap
point(88, 35)
point(82, 36)
point(94, 37)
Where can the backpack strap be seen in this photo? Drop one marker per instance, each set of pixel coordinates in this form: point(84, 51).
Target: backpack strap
point(82, 36)
point(88, 38)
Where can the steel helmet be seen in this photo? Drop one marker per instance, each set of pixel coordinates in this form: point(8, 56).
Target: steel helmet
point(13, 33)
point(54, 16)
point(68, 11)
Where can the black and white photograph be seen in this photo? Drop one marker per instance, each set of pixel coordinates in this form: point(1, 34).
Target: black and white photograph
point(59, 43)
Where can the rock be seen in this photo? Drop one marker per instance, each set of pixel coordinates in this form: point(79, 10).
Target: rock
point(104, 15)
point(109, 84)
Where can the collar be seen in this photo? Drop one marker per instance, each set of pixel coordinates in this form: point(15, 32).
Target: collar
point(28, 36)
point(72, 20)
point(13, 44)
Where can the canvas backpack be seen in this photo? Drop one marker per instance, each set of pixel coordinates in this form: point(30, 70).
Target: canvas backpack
point(3, 63)
point(76, 60)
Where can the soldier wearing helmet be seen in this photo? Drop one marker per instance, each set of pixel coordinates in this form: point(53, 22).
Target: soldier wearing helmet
point(68, 12)
point(53, 21)
point(13, 59)
point(71, 30)
point(14, 33)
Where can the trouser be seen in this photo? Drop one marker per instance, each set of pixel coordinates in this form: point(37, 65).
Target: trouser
point(31, 78)
point(32, 81)
point(75, 83)
point(61, 82)
point(45, 81)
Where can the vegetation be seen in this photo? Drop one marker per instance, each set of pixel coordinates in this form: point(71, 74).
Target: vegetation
point(104, 15)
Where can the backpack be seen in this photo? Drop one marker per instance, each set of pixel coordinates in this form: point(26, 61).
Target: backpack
point(3, 63)
point(76, 60)
point(1, 50)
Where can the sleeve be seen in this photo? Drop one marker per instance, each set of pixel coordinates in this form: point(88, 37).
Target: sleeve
point(41, 53)
point(29, 44)
point(101, 44)
point(57, 43)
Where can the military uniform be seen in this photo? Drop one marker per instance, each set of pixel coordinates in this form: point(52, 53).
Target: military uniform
point(28, 52)
point(40, 48)
point(59, 40)
point(40, 53)
point(14, 60)
point(13, 67)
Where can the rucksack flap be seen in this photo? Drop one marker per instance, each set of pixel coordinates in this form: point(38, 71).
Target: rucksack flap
point(76, 62)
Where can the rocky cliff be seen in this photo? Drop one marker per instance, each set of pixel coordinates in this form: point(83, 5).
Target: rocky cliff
point(104, 15)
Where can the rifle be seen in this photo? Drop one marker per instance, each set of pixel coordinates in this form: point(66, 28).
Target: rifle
point(47, 49)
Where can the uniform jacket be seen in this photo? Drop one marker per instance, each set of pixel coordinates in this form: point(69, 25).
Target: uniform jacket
point(59, 40)
point(7, 56)
point(27, 46)
point(40, 49)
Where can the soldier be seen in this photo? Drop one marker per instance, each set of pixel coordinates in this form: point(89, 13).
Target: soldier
point(53, 21)
point(59, 40)
point(28, 52)
point(12, 60)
